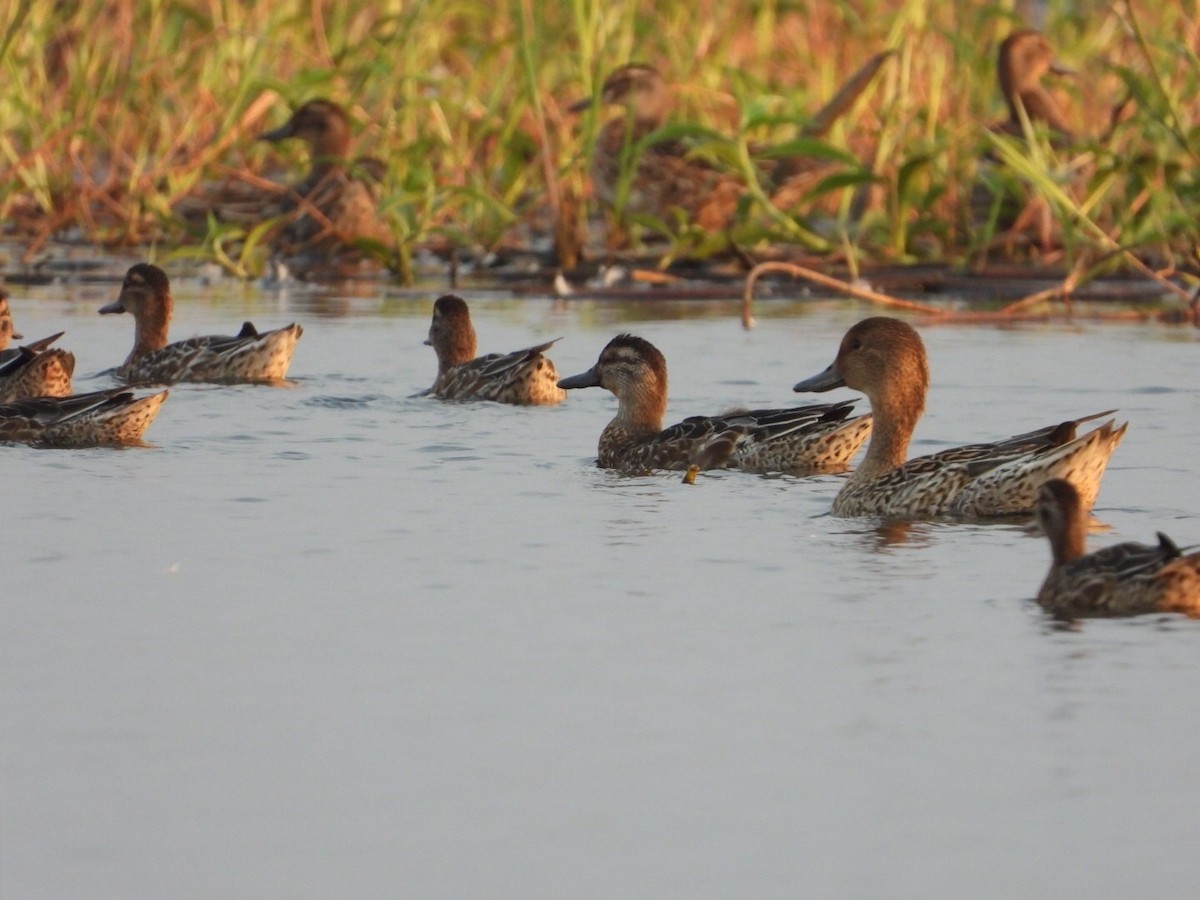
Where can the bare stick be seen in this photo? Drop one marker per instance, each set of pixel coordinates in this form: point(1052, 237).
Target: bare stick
point(835, 284)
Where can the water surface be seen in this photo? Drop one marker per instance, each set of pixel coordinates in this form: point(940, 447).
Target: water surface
point(334, 641)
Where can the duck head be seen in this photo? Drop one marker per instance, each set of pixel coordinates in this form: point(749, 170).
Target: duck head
point(885, 359)
point(1025, 57)
point(146, 295)
point(638, 87)
point(451, 334)
point(321, 124)
point(1059, 512)
point(635, 371)
point(145, 290)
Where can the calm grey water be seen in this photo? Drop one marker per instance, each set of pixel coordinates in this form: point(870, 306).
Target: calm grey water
point(330, 641)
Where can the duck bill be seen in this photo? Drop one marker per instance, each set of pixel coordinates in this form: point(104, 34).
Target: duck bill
point(821, 382)
point(17, 336)
point(590, 378)
point(114, 307)
point(282, 132)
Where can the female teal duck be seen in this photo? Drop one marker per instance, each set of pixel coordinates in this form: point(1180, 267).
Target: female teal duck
point(657, 178)
point(661, 177)
point(802, 439)
point(249, 356)
point(885, 359)
point(523, 377)
point(1121, 580)
point(102, 418)
point(1024, 59)
point(32, 370)
point(332, 206)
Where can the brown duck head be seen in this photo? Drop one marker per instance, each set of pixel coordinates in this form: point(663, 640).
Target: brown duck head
point(637, 87)
point(451, 334)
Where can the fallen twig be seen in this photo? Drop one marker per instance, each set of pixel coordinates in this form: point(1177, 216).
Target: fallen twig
point(825, 281)
point(1060, 292)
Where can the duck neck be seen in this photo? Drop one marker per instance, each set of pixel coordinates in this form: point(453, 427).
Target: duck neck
point(623, 132)
point(152, 325)
point(896, 409)
point(325, 160)
point(325, 171)
point(332, 148)
point(641, 408)
point(1070, 541)
point(459, 348)
point(1039, 107)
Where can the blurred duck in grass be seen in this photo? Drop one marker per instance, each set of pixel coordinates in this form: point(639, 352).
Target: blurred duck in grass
point(645, 169)
point(332, 211)
point(328, 219)
point(1031, 137)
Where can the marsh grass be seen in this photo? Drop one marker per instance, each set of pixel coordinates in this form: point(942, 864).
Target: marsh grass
point(115, 113)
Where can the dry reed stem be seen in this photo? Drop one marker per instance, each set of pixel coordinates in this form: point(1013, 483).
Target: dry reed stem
point(1062, 291)
point(825, 281)
point(1058, 292)
point(320, 38)
point(1012, 313)
point(997, 317)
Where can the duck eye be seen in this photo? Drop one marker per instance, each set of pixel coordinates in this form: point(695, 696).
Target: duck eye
point(856, 344)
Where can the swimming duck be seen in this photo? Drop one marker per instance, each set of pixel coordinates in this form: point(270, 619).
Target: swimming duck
point(524, 377)
point(660, 176)
point(885, 359)
point(101, 418)
point(801, 439)
point(249, 356)
point(1025, 57)
point(1121, 580)
point(332, 206)
point(31, 370)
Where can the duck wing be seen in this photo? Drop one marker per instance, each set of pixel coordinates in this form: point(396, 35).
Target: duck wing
point(115, 416)
point(805, 439)
point(247, 357)
point(755, 440)
point(6, 356)
point(44, 373)
point(988, 479)
point(501, 365)
point(523, 377)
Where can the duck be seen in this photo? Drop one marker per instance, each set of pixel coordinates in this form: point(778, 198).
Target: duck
point(885, 359)
point(335, 204)
point(101, 418)
point(805, 439)
point(247, 357)
point(653, 179)
point(1024, 59)
point(1125, 579)
point(661, 177)
point(523, 377)
point(34, 369)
